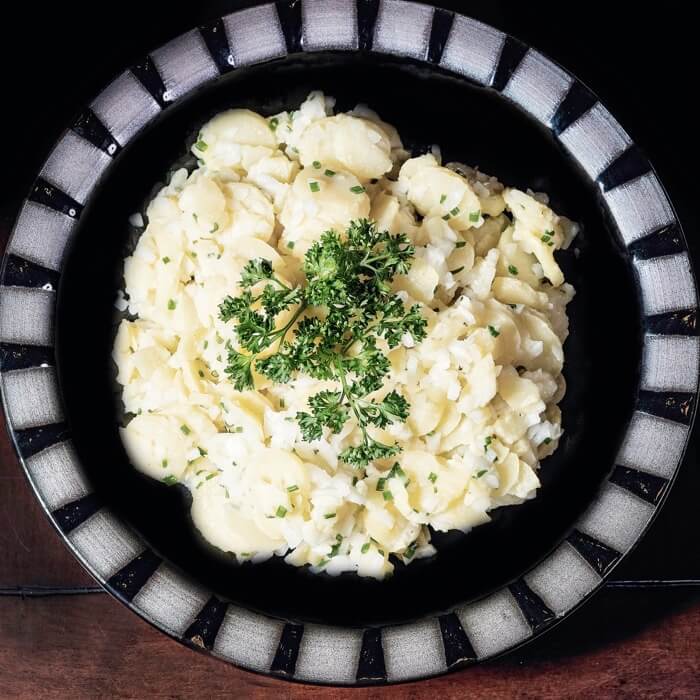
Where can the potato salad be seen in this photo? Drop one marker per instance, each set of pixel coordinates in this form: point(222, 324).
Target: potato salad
point(433, 403)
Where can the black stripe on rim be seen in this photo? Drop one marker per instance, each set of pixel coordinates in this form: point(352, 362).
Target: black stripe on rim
point(370, 667)
point(672, 405)
point(367, 11)
point(289, 12)
point(50, 196)
point(93, 130)
point(130, 579)
point(13, 356)
point(202, 632)
point(71, 515)
point(31, 441)
point(666, 241)
point(512, 52)
point(147, 74)
point(458, 648)
point(214, 35)
point(601, 557)
point(673, 323)
point(575, 104)
point(537, 614)
point(648, 487)
point(285, 660)
point(439, 32)
point(25, 273)
point(628, 166)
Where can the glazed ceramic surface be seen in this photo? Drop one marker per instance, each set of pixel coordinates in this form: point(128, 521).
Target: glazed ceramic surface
point(631, 361)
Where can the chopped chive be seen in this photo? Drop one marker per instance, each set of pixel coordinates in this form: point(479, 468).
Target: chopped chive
point(512, 269)
point(443, 197)
point(292, 488)
point(164, 463)
point(480, 473)
point(323, 562)
point(454, 211)
point(206, 344)
point(201, 373)
point(381, 551)
point(166, 260)
point(329, 173)
point(457, 271)
point(282, 404)
point(171, 304)
point(495, 333)
point(547, 440)
point(410, 551)
point(460, 244)
point(214, 228)
point(357, 189)
point(201, 145)
point(238, 429)
point(354, 480)
point(210, 476)
point(365, 547)
point(328, 516)
point(202, 451)
point(474, 216)
point(316, 164)
point(314, 186)
point(388, 496)
point(432, 477)
point(281, 511)
point(546, 238)
point(487, 442)
point(290, 245)
point(273, 123)
point(169, 480)
point(447, 217)
point(380, 484)
point(185, 429)
point(194, 216)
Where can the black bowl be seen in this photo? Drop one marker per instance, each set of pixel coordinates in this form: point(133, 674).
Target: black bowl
point(610, 322)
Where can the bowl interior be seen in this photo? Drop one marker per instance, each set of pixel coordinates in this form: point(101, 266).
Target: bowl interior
point(470, 124)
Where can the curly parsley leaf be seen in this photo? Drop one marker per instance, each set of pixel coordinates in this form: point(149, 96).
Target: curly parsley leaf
point(330, 331)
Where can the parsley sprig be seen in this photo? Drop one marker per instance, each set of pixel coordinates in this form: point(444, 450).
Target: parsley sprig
point(337, 318)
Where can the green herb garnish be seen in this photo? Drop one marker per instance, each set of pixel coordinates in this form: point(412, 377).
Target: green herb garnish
point(169, 480)
point(171, 304)
point(347, 305)
point(512, 269)
point(357, 189)
point(329, 173)
point(273, 123)
point(314, 186)
point(281, 511)
point(494, 332)
point(474, 216)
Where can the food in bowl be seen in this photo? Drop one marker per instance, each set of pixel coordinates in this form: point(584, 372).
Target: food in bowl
point(336, 346)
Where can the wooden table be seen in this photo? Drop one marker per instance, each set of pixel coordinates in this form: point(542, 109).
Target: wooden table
point(61, 636)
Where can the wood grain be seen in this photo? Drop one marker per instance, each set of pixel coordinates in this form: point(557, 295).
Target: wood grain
point(89, 646)
point(31, 552)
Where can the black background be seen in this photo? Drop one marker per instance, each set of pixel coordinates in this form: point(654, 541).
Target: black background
point(641, 62)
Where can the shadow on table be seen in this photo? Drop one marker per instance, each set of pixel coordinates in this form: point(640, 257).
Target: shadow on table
point(611, 616)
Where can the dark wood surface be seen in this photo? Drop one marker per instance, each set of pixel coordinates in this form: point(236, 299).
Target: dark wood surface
point(60, 637)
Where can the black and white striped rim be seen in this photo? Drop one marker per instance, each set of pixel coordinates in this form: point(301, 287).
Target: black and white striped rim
point(629, 189)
